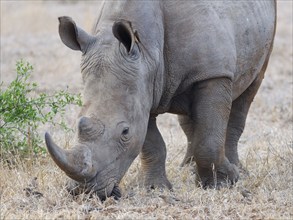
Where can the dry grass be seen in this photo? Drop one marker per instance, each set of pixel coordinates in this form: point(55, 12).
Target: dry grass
point(265, 193)
point(266, 147)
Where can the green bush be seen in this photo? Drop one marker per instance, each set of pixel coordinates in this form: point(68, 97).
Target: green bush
point(23, 110)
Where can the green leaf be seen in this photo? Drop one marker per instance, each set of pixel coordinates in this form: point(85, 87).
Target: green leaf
point(23, 110)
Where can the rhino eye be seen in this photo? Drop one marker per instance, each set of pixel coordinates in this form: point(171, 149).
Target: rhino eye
point(125, 134)
point(125, 131)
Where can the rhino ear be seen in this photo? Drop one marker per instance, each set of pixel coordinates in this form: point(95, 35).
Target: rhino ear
point(123, 31)
point(73, 36)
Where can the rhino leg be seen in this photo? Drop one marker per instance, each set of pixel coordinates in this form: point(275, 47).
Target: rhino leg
point(186, 124)
point(212, 101)
point(153, 157)
point(237, 118)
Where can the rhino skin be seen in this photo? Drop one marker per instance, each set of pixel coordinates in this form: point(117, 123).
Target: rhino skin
point(201, 60)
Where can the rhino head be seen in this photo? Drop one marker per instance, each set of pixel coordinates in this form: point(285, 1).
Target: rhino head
point(117, 101)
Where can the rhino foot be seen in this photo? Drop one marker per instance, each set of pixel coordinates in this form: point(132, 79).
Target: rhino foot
point(216, 178)
point(160, 182)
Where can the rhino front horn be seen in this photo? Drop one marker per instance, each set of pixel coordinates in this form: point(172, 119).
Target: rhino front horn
point(75, 163)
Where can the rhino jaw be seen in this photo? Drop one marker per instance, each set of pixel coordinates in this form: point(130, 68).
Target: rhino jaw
point(75, 163)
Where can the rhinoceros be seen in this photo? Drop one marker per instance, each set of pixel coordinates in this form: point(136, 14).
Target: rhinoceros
point(201, 60)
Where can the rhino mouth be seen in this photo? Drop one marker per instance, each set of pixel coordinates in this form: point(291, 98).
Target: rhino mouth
point(110, 190)
point(116, 192)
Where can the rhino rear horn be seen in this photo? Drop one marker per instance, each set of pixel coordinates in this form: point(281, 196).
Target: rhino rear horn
point(73, 36)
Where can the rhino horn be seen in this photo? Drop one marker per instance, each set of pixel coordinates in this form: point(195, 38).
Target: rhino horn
point(66, 160)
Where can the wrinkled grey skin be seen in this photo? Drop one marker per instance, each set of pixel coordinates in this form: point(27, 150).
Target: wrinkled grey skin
point(202, 60)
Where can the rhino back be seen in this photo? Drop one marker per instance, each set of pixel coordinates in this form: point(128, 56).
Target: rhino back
point(191, 41)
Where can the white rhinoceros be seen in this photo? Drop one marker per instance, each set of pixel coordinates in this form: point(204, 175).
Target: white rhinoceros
point(202, 60)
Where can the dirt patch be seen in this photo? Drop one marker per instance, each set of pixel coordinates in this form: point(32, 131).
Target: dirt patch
point(29, 31)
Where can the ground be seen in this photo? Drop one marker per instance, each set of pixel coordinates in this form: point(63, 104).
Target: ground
point(29, 31)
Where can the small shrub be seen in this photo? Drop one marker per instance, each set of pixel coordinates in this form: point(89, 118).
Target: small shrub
point(22, 111)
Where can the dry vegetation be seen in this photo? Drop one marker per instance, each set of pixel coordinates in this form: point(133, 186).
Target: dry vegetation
point(34, 189)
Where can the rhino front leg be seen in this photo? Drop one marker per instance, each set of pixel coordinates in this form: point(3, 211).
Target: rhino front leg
point(212, 100)
point(153, 157)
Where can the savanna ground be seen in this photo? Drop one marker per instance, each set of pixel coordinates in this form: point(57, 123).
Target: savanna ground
point(29, 31)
